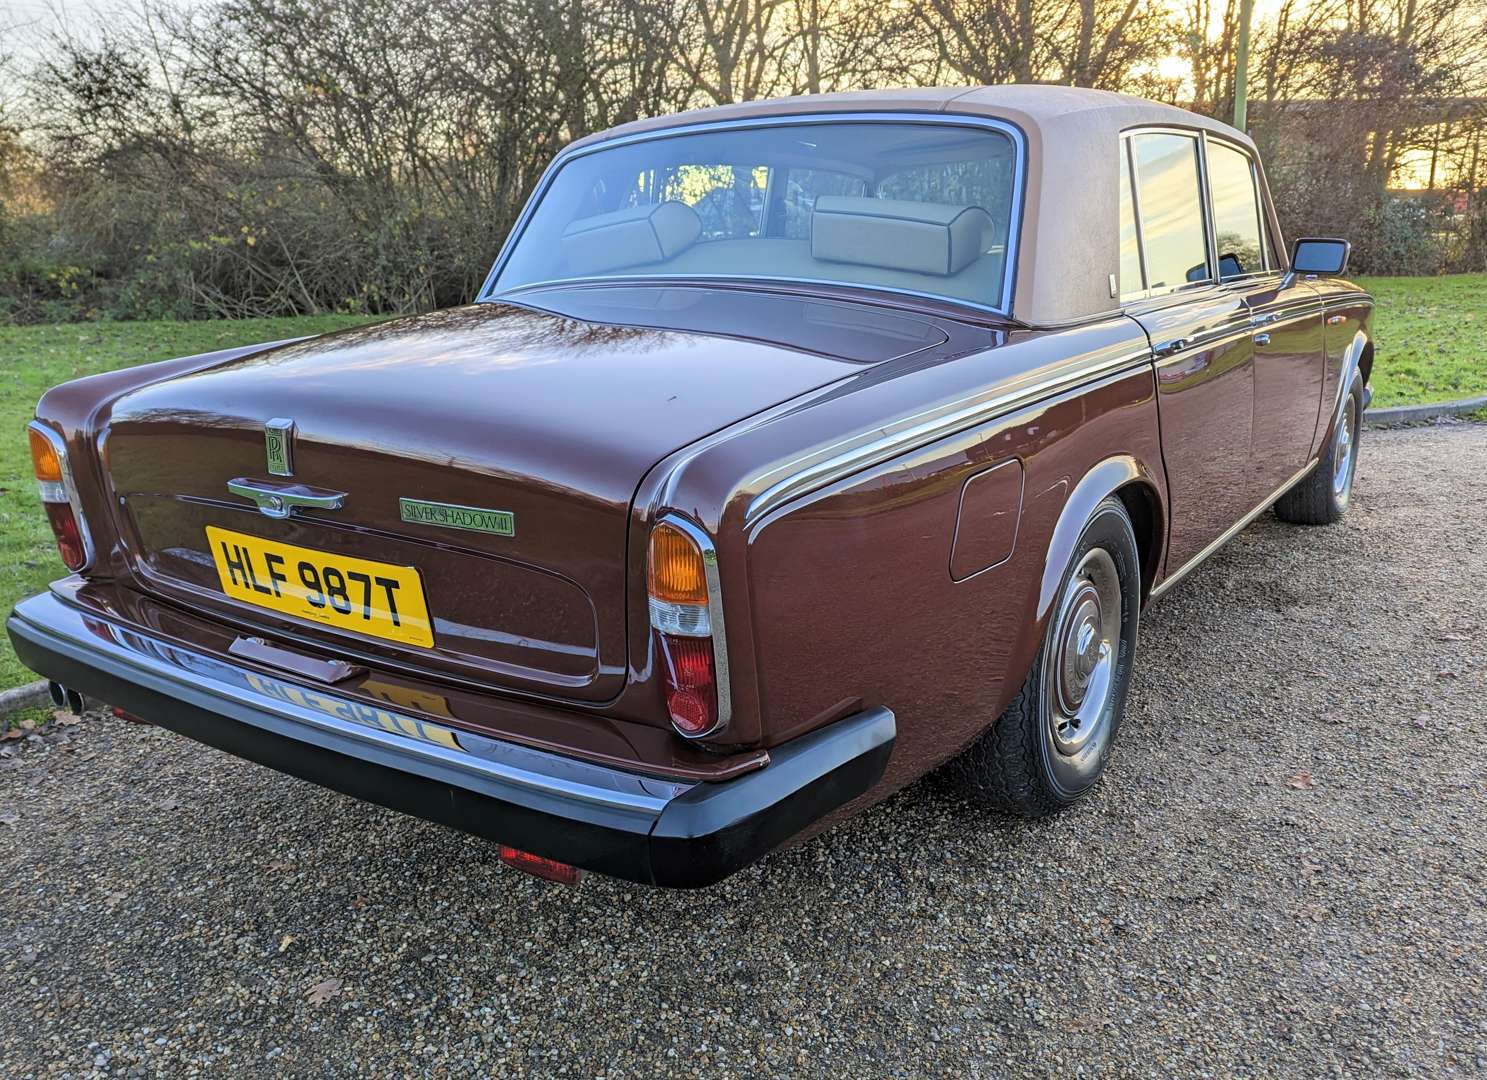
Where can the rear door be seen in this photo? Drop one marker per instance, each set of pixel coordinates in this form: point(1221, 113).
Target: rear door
point(1286, 315)
point(1200, 333)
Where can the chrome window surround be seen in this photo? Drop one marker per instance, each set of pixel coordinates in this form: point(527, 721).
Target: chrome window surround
point(66, 491)
point(1267, 241)
point(489, 293)
point(1209, 248)
point(711, 618)
point(1267, 245)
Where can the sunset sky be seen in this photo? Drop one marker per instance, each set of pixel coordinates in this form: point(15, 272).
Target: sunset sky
point(24, 20)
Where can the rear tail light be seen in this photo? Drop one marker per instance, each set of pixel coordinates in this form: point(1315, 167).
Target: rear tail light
point(537, 866)
point(59, 496)
point(687, 618)
point(691, 685)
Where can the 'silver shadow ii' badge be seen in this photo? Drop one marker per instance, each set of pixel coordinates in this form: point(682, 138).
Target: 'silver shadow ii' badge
point(449, 516)
point(278, 434)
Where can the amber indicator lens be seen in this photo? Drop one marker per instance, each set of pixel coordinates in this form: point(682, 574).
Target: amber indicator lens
point(537, 866)
point(44, 458)
point(676, 573)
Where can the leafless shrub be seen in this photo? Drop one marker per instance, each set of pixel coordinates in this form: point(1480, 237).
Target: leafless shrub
point(284, 156)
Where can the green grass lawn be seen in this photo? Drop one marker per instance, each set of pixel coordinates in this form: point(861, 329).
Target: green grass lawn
point(33, 358)
point(1430, 338)
point(1431, 334)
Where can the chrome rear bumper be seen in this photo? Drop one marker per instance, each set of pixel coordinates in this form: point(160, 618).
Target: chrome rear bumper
point(647, 829)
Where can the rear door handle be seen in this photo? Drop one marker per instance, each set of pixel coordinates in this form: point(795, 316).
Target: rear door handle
point(1171, 348)
point(1336, 320)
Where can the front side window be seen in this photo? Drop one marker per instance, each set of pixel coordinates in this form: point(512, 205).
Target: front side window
point(915, 207)
point(1173, 237)
point(1236, 211)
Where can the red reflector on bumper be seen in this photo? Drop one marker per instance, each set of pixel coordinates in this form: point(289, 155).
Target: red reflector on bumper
point(537, 866)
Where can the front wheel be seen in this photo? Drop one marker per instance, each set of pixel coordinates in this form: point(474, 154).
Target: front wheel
point(1323, 495)
point(1052, 744)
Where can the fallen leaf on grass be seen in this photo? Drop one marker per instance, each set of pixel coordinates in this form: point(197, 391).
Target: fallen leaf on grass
point(66, 719)
point(323, 991)
point(1301, 781)
point(12, 733)
point(286, 941)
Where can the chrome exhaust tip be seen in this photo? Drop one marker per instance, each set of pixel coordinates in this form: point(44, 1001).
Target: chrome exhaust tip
point(66, 698)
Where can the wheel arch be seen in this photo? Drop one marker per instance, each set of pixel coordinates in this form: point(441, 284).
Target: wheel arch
point(1358, 359)
point(1147, 518)
point(1125, 478)
point(1365, 360)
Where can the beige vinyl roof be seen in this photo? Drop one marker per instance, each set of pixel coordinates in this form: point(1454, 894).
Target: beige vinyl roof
point(1069, 239)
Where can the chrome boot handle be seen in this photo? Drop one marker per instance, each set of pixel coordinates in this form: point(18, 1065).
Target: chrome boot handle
point(282, 500)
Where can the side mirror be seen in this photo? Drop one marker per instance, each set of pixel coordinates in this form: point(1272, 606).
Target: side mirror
point(1323, 257)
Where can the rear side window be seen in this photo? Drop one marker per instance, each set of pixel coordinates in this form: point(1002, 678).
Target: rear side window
point(1236, 211)
point(1172, 232)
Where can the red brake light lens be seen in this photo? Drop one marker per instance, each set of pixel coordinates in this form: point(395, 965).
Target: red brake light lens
point(537, 866)
point(691, 683)
point(69, 539)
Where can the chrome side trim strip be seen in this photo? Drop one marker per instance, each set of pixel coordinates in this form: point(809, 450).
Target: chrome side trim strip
point(845, 458)
point(1232, 531)
point(1230, 331)
point(319, 717)
point(716, 626)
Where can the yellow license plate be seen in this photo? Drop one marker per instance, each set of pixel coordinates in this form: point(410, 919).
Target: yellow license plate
point(367, 597)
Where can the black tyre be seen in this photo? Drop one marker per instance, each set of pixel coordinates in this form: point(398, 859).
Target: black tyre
point(1051, 745)
point(1323, 495)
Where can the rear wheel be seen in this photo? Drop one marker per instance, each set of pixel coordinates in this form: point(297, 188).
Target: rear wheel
point(1051, 745)
point(1323, 496)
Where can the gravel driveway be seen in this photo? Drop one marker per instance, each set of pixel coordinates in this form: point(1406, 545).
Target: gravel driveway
point(1283, 876)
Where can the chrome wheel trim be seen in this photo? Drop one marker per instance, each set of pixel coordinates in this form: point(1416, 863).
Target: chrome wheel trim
point(1079, 670)
point(1343, 449)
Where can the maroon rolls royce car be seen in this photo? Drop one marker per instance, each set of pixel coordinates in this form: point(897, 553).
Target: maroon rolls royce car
point(790, 450)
